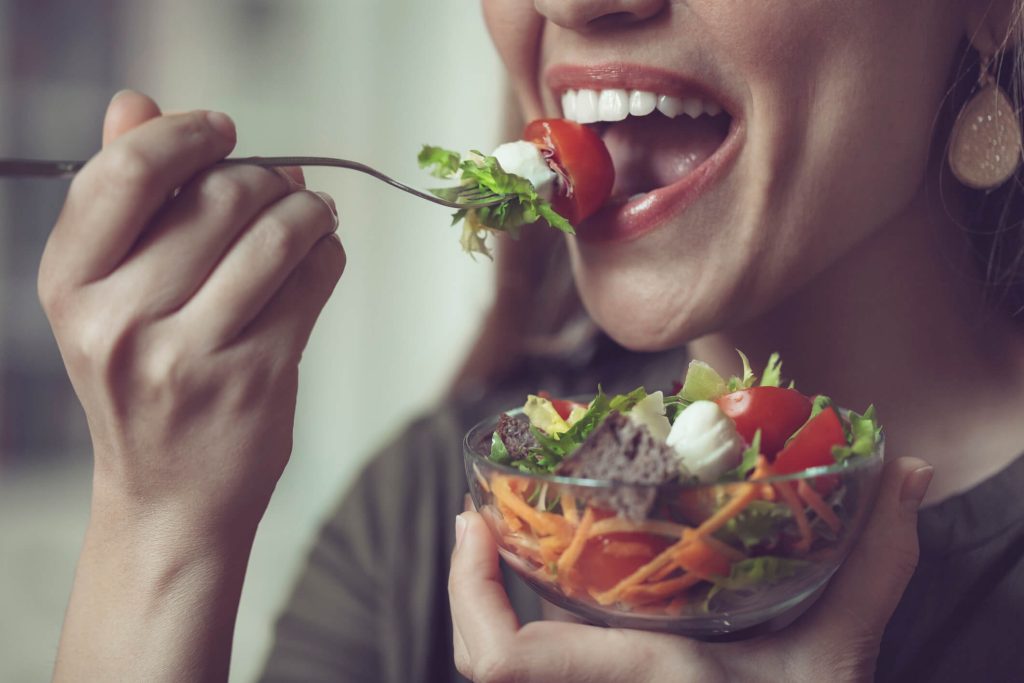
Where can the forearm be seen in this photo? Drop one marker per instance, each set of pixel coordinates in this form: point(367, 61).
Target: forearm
point(153, 599)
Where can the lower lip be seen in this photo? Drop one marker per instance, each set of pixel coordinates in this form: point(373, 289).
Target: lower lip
point(637, 217)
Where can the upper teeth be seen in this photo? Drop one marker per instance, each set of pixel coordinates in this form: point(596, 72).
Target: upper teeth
point(591, 106)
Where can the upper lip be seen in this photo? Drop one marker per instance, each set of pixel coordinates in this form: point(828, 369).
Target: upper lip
point(562, 77)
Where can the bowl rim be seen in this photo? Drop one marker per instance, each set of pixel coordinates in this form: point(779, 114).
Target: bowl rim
point(860, 463)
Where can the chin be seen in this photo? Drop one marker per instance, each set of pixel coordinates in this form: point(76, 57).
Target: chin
point(643, 310)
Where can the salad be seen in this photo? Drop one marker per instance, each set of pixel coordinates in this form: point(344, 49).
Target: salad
point(705, 497)
point(560, 172)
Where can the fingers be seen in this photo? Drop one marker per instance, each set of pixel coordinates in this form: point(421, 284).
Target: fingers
point(281, 267)
point(120, 190)
point(480, 607)
point(177, 254)
point(864, 593)
point(490, 646)
point(127, 110)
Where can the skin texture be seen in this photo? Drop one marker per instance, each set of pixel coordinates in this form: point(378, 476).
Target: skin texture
point(825, 241)
point(181, 322)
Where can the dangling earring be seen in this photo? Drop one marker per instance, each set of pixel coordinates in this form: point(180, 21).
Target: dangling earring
point(985, 146)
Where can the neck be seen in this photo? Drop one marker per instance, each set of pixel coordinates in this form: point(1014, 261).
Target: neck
point(900, 322)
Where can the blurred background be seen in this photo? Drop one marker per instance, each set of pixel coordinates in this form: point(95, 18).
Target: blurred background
point(365, 79)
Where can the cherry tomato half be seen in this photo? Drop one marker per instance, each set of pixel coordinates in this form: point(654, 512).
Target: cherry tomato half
point(581, 160)
point(812, 446)
point(608, 559)
point(776, 411)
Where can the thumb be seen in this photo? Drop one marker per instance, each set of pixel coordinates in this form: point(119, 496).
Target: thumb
point(128, 109)
point(866, 589)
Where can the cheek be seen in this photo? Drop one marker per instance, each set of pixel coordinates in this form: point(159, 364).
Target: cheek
point(844, 98)
point(515, 29)
point(847, 122)
point(842, 103)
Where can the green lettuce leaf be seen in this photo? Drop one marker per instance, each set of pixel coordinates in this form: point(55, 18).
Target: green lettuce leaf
point(747, 462)
point(748, 379)
point(772, 375)
point(760, 524)
point(625, 402)
point(863, 435)
point(702, 383)
point(521, 205)
point(499, 453)
point(442, 163)
point(755, 570)
point(553, 448)
point(818, 404)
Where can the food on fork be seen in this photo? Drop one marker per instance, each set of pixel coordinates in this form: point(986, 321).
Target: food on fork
point(560, 172)
point(690, 503)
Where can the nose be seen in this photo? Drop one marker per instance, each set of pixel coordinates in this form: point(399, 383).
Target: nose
point(587, 14)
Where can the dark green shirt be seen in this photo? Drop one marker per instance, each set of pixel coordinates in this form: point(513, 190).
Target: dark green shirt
point(372, 604)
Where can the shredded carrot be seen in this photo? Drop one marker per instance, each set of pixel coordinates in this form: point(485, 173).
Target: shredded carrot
point(698, 557)
point(549, 554)
point(555, 544)
point(527, 548)
point(649, 592)
point(544, 523)
point(511, 520)
point(641, 574)
point(762, 470)
point(735, 506)
point(664, 572)
point(569, 510)
point(791, 500)
point(579, 539)
point(724, 549)
point(614, 525)
point(820, 507)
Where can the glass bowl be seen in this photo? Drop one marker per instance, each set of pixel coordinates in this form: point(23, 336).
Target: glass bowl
point(683, 565)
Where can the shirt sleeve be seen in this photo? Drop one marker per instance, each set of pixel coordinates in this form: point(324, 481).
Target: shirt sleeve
point(370, 604)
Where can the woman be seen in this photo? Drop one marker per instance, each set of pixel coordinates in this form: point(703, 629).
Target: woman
point(828, 229)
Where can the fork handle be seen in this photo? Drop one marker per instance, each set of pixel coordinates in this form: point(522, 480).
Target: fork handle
point(37, 168)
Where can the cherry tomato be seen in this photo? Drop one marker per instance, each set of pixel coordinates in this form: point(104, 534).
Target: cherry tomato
point(608, 559)
point(776, 411)
point(812, 446)
point(563, 407)
point(581, 160)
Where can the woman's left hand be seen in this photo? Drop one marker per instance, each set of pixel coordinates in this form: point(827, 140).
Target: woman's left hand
point(836, 640)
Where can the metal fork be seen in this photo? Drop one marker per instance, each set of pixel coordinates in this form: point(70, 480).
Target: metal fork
point(461, 198)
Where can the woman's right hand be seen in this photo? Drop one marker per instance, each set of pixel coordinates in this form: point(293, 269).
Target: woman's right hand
point(181, 296)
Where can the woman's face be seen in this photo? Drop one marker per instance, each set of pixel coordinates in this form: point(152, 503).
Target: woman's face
point(829, 107)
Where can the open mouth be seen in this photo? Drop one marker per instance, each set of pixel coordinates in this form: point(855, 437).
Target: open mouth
point(654, 139)
point(670, 139)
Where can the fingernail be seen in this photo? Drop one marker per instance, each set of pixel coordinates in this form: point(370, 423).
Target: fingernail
point(329, 201)
point(915, 485)
point(460, 529)
point(221, 123)
point(294, 174)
